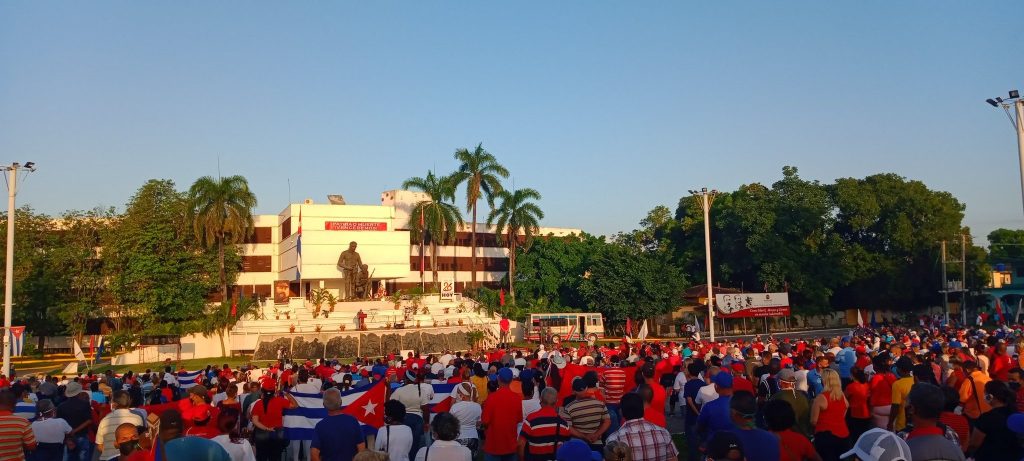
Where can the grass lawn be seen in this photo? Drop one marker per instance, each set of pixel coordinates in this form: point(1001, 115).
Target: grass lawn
point(55, 367)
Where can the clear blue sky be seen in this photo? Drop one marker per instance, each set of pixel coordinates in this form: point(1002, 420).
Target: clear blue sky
point(607, 108)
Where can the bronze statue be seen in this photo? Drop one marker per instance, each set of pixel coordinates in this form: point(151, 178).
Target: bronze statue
point(349, 263)
point(363, 282)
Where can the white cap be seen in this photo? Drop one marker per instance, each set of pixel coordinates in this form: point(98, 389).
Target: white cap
point(880, 445)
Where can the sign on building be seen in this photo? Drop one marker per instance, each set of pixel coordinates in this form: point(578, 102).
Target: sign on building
point(740, 305)
point(355, 226)
point(448, 290)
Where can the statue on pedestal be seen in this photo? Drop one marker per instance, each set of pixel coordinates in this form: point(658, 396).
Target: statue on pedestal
point(350, 264)
point(363, 282)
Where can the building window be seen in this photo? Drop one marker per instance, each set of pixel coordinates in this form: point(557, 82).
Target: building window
point(286, 228)
point(256, 264)
point(259, 235)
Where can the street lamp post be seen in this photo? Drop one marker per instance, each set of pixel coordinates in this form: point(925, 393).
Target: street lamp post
point(12, 191)
point(706, 198)
point(1018, 126)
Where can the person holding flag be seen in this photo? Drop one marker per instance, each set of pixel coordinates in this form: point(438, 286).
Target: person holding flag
point(337, 437)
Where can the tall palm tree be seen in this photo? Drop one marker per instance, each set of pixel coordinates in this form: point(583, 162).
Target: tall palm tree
point(515, 215)
point(221, 214)
point(481, 172)
point(435, 216)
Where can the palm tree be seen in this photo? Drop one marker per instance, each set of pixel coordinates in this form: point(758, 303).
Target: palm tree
point(434, 217)
point(221, 213)
point(515, 215)
point(480, 171)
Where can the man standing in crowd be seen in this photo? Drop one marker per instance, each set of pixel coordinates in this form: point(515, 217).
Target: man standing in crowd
point(16, 434)
point(544, 430)
point(647, 441)
point(337, 437)
point(106, 440)
point(503, 411)
point(587, 417)
point(77, 411)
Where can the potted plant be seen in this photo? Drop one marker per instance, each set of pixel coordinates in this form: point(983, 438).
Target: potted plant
point(332, 301)
point(288, 315)
point(447, 322)
point(318, 328)
point(461, 308)
point(387, 325)
point(435, 323)
point(341, 327)
point(460, 322)
point(291, 329)
point(446, 310)
point(277, 313)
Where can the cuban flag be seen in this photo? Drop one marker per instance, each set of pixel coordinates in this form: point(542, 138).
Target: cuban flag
point(17, 340)
point(443, 399)
point(188, 379)
point(298, 249)
point(365, 403)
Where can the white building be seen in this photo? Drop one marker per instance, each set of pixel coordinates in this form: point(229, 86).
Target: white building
point(384, 242)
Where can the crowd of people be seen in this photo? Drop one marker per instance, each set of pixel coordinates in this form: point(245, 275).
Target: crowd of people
point(894, 393)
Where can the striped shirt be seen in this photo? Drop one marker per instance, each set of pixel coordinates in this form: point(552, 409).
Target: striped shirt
point(647, 441)
point(26, 410)
point(585, 415)
point(542, 431)
point(15, 436)
point(108, 426)
point(614, 385)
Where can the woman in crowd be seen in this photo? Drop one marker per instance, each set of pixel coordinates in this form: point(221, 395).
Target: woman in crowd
point(859, 418)
point(231, 399)
point(268, 422)
point(237, 447)
point(880, 390)
point(828, 416)
point(395, 438)
point(780, 419)
point(991, 439)
point(444, 428)
point(617, 451)
point(468, 412)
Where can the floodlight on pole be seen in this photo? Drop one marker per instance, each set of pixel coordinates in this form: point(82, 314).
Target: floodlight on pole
point(12, 191)
point(1017, 120)
point(706, 199)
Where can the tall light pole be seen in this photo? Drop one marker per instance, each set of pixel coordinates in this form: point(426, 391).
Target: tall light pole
point(706, 198)
point(1018, 126)
point(12, 191)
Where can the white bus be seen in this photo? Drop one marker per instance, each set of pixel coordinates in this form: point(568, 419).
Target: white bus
point(567, 326)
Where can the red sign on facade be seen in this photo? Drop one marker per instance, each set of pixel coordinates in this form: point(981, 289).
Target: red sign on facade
point(778, 311)
point(355, 226)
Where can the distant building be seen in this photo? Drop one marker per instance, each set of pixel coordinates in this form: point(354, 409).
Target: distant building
point(385, 245)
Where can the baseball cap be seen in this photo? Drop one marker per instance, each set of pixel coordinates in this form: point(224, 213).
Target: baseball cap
point(505, 375)
point(722, 443)
point(198, 389)
point(787, 374)
point(576, 450)
point(879, 445)
point(73, 388)
point(737, 366)
point(723, 380)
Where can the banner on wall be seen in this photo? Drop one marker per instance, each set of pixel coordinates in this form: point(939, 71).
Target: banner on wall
point(448, 290)
point(734, 306)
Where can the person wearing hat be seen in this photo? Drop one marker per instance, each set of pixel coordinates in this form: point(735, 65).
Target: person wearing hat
point(120, 413)
point(714, 415)
point(576, 450)
point(77, 411)
point(587, 416)
point(725, 446)
point(415, 395)
point(742, 410)
point(468, 412)
point(879, 445)
point(501, 416)
point(798, 400)
point(268, 422)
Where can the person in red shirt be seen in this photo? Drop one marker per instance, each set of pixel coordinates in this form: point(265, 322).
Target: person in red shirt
point(268, 416)
point(502, 413)
point(658, 396)
point(739, 381)
point(794, 446)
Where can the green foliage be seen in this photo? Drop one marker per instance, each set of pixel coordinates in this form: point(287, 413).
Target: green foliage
point(220, 211)
point(548, 277)
point(516, 215)
point(1006, 245)
point(482, 174)
point(622, 282)
point(158, 271)
point(435, 218)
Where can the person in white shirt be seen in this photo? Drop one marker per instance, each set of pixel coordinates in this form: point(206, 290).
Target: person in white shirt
point(445, 429)
point(415, 395)
point(106, 440)
point(468, 412)
point(50, 431)
point(395, 438)
point(238, 448)
point(708, 393)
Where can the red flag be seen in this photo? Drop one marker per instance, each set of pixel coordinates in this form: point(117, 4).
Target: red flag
point(629, 327)
point(423, 256)
point(501, 297)
point(369, 407)
point(234, 309)
point(92, 345)
point(568, 374)
point(999, 311)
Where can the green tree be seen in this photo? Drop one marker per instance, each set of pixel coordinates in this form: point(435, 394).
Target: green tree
point(34, 294)
point(548, 277)
point(516, 215)
point(1006, 245)
point(434, 218)
point(220, 210)
point(159, 273)
point(624, 283)
point(481, 172)
point(83, 287)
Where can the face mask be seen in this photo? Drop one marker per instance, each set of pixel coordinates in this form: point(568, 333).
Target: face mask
point(128, 447)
